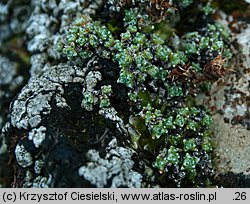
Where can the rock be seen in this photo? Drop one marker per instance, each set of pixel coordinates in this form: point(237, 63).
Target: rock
point(229, 100)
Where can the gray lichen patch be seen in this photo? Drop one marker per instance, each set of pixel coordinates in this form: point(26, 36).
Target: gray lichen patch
point(13, 18)
point(38, 166)
point(37, 135)
point(35, 98)
point(10, 81)
point(116, 167)
point(23, 157)
point(7, 70)
point(92, 79)
point(89, 94)
point(37, 182)
point(112, 114)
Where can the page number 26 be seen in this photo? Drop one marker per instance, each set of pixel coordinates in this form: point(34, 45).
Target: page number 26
point(240, 196)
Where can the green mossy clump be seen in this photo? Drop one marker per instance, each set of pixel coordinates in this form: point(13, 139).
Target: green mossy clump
point(93, 98)
point(160, 79)
point(186, 3)
point(181, 138)
point(206, 44)
point(186, 143)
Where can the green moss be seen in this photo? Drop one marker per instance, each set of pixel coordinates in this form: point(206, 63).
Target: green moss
point(168, 122)
point(165, 121)
point(84, 54)
point(174, 140)
point(162, 52)
point(184, 111)
point(186, 2)
point(207, 9)
point(156, 39)
point(210, 41)
point(173, 155)
point(70, 52)
point(179, 121)
point(118, 45)
point(206, 142)
point(126, 78)
point(189, 144)
point(132, 28)
point(109, 42)
point(103, 33)
point(161, 162)
point(106, 89)
point(206, 120)
point(191, 48)
point(178, 58)
point(174, 91)
point(189, 164)
point(192, 125)
point(88, 100)
point(132, 97)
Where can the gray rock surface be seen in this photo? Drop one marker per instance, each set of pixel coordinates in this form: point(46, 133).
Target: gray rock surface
point(229, 101)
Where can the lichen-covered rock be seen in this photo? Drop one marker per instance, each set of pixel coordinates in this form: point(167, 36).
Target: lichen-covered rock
point(48, 117)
